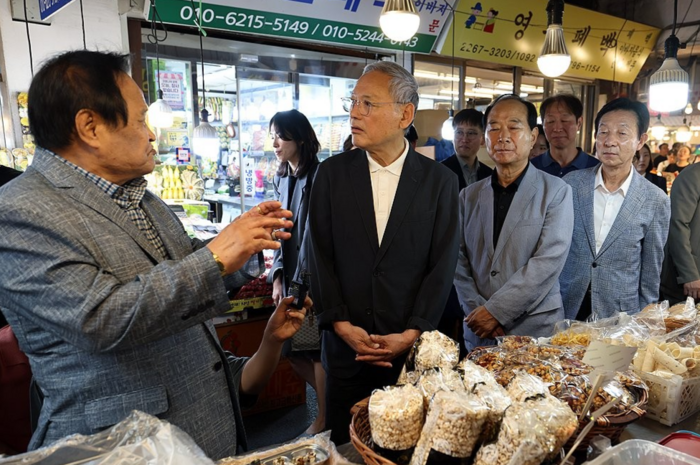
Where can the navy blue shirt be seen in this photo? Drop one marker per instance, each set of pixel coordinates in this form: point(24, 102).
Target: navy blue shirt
point(546, 163)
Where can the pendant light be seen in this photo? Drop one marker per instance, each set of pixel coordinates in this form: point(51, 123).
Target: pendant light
point(658, 130)
point(205, 140)
point(683, 133)
point(399, 20)
point(554, 58)
point(668, 86)
point(447, 131)
point(160, 114)
point(688, 109)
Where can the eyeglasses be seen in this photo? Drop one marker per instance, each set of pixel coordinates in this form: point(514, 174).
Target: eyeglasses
point(364, 106)
point(466, 134)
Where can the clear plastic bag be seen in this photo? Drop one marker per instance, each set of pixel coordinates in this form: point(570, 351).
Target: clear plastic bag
point(396, 417)
point(525, 386)
point(140, 439)
point(321, 440)
point(435, 350)
point(436, 380)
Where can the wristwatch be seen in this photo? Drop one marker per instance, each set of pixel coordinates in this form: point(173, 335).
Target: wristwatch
point(220, 264)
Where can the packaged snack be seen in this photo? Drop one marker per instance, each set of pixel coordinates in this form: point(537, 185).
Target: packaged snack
point(497, 400)
point(396, 417)
point(525, 386)
point(515, 342)
point(434, 350)
point(460, 420)
point(474, 375)
point(435, 380)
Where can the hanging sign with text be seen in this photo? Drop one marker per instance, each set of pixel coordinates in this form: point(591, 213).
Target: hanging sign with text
point(173, 89)
point(48, 8)
point(512, 33)
point(348, 22)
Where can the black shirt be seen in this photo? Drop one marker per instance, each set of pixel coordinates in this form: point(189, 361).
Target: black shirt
point(672, 168)
point(502, 198)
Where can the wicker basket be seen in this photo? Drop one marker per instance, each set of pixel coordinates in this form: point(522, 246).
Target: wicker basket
point(612, 426)
point(361, 435)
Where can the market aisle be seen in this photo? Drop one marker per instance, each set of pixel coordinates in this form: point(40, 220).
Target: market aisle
point(281, 425)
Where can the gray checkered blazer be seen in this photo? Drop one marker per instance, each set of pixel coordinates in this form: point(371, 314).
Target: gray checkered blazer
point(625, 274)
point(107, 324)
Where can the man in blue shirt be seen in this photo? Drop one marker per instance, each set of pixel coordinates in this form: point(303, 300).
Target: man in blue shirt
point(562, 116)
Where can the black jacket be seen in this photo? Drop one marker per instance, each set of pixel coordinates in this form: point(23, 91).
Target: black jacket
point(452, 163)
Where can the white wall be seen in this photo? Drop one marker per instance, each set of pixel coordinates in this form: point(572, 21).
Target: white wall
point(103, 31)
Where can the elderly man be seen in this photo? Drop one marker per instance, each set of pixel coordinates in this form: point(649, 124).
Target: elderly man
point(515, 234)
point(562, 116)
point(680, 276)
point(383, 225)
point(468, 128)
point(106, 293)
point(621, 222)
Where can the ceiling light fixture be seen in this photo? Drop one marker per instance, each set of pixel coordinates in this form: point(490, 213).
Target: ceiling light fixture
point(688, 109)
point(205, 140)
point(658, 130)
point(668, 86)
point(554, 58)
point(683, 133)
point(399, 20)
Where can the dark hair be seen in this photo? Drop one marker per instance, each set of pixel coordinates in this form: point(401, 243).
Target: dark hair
point(469, 116)
point(74, 81)
point(540, 128)
point(411, 134)
point(531, 110)
point(293, 125)
point(661, 145)
point(569, 101)
point(637, 156)
point(625, 104)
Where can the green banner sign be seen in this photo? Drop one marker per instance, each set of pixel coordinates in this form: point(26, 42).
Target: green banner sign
point(236, 19)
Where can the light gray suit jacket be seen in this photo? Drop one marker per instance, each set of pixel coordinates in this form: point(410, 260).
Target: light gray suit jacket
point(624, 275)
point(107, 324)
point(682, 261)
point(517, 281)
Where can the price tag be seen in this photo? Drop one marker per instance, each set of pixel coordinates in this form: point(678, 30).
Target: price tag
point(605, 357)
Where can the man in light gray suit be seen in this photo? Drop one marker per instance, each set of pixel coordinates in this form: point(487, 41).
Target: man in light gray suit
point(680, 275)
point(621, 222)
point(515, 234)
point(107, 295)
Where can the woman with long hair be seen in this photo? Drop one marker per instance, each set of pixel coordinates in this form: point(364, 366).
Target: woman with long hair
point(296, 148)
point(642, 162)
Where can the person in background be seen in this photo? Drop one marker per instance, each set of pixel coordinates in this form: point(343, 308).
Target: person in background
point(108, 297)
point(621, 222)
point(295, 145)
point(562, 116)
point(515, 234)
point(541, 145)
point(662, 156)
point(642, 163)
point(383, 223)
point(347, 145)
point(680, 275)
point(6, 175)
point(683, 160)
point(468, 128)
point(670, 160)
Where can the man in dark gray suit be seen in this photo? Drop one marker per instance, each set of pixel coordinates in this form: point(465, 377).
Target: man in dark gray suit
point(515, 233)
point(383, 225)
point(107, 295)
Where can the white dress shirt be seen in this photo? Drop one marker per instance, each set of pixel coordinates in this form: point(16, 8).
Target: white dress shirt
point(606, 206)
point(385, 181)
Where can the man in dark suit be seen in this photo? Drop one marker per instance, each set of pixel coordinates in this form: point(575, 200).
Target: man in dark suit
point(468, 126)
point(383, 225)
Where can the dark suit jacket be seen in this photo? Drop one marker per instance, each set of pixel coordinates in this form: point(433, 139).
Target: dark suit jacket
point(7, 174)
point(658, 181)
point(452, 163)
point(403, 283)
point(286, 258)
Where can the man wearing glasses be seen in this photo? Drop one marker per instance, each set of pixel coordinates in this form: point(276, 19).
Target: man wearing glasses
point(468, 128)
point(383, 225)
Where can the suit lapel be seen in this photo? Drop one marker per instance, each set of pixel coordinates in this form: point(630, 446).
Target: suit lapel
point(486, 216)
point(411, 177)
point(585, 208)
point(628, 211)
point(526, 191)
point(284, 191)
point(86, 192)
point(362, 189)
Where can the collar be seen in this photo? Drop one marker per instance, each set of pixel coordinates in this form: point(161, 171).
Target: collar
point(623, 189)
point(512, 186)
point(579, 161)
point(395, 168)
point(463, 164)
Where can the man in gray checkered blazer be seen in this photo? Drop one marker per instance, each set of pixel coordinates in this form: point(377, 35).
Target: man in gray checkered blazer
point(107, 295)
point(620, 225)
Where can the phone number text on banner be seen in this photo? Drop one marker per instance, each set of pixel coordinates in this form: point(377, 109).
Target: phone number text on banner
point(296, 27)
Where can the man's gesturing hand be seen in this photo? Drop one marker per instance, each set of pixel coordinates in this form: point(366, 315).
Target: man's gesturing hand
point(249, 234)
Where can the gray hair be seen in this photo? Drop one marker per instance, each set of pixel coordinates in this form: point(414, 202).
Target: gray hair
point(403, 87)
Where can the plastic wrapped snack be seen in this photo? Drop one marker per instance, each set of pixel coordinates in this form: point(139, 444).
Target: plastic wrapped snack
point(515, 342)
point(497, 400)
point(522, 440)
point(525, 386)
point(473, 375)
point(435, 350)
point(557, 418)
point(396, 417)
point(491, 358)
point(436, 379)
point(459, 423)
